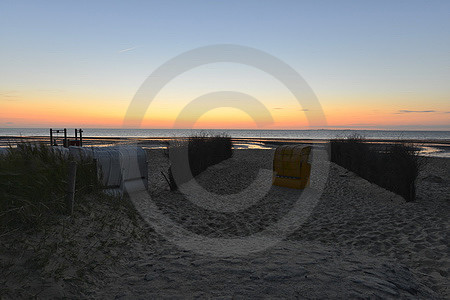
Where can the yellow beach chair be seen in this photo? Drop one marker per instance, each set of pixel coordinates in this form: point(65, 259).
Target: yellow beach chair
point(290, 166)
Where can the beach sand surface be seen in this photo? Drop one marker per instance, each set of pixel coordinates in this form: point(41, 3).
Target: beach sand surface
point(357, 240)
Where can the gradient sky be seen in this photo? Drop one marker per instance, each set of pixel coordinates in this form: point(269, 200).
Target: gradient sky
point(372, 64)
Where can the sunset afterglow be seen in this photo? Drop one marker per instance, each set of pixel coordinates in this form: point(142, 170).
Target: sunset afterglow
point(378, 68)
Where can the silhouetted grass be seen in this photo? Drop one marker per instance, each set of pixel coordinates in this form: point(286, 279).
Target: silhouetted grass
point(394, 167)
point(202, 150)
point(33, 181)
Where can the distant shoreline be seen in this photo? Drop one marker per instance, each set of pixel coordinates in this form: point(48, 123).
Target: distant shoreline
point(430, 147)
point(254, 139)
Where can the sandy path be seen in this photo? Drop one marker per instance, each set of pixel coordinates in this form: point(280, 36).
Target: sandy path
point(352, 215)
point(289, 270)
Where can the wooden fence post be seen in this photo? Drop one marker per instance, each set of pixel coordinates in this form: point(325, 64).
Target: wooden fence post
point(70, 196)
point(66, 144)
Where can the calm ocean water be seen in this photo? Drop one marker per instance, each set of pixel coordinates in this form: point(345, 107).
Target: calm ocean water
point(292, 134)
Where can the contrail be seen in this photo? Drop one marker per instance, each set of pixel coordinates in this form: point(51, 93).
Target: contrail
point(127, 49)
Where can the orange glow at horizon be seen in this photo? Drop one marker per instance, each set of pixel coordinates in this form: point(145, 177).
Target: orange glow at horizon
point(107, 113)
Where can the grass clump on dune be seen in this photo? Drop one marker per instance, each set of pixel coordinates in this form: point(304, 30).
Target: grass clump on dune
point(33, 181)
point(394, 167)
point(200, 151)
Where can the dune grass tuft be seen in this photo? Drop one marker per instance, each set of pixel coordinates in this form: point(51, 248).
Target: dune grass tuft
point(33, 181)
point(202, 151)
point(394, 167)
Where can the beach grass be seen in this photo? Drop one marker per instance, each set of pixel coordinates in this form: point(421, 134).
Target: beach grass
point(33, 181)
point(394, 167)
point(203, 150)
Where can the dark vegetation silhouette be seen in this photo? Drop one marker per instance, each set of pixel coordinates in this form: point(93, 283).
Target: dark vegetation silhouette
point(394, 167)
point(203, 150)
point(33, 181)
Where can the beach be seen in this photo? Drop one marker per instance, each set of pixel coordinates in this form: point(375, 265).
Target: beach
point(225, 150)
point(358, 241)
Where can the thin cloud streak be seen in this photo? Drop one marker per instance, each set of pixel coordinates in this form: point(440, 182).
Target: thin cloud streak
point(405, 111)
point(126, 50)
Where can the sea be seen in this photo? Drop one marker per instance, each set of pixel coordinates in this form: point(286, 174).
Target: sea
point(439, 148)
point(321, 134)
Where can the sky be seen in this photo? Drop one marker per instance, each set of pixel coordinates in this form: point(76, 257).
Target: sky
point(371, 64)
